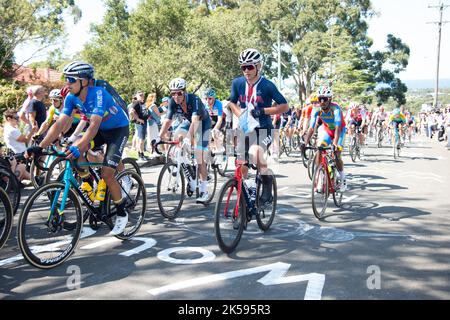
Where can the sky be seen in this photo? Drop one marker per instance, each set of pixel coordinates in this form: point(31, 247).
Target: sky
point(405, 19)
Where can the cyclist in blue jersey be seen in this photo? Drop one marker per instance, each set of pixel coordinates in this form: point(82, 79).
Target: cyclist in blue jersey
point(332, 131)
point(196, 122)
point(256, 92)
point(215, 109)
point(108, 124)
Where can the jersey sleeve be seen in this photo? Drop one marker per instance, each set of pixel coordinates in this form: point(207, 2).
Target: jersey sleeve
point(69, 105)
point(171, 109)
point(338, 117)
point(219, 108)
point(276, 95)
point(50, 115)
point(234, 96)
point(314, 115)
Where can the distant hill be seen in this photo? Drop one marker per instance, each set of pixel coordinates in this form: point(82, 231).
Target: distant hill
point(426, 84)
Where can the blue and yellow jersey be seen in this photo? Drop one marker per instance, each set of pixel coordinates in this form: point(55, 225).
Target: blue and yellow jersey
point(397, 116)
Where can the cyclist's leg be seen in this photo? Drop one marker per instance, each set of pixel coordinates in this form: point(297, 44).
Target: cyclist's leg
point(257, 151)
point(202, 153)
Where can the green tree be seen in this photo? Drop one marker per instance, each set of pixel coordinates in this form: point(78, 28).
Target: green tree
point(37, 21)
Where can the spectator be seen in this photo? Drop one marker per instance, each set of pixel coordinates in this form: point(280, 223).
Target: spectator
point(139, 115)
point(154, 119)
point(16, 141)
point(36, 108)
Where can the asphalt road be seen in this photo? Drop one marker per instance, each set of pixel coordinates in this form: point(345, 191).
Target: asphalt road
point(390, 240)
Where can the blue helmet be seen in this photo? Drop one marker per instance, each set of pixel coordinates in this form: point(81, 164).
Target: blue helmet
point(210, 93)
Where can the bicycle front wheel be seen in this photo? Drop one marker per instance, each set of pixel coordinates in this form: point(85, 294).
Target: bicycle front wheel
point(6, 217)
point(47, 237)
point(337, 194)
point(320, 192)
point(170, 190)
point(10, 184)
point(266, 214)
point(133, 191)
point(229, 217)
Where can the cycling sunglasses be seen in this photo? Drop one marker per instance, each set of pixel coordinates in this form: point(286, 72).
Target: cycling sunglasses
point(249, 67)
point(176, 93)
point(72, 79)
point(323, 99)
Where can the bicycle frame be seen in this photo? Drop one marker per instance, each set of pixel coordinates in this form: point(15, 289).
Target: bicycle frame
point(70, 181)
point(239, 177)
point(325, 163)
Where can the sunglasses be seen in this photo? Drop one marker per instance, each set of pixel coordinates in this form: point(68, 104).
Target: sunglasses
point(323, 99)
point(177, 93)
point(71, 79)
point(210, 98)
point(250, 67)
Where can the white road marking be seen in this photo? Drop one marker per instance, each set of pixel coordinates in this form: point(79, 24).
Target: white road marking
point(207, 255)
point(276, 276)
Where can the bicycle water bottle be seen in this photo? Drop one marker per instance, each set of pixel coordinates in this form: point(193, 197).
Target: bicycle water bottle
point(86, 187)
point(101, 190)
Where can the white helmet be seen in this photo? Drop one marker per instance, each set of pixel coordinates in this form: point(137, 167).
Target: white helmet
point(250, 56)
point(325, 91)
point(55, 94)
point(177, 84)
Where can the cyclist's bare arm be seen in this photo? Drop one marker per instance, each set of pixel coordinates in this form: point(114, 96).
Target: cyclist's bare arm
point(55, 130)
point(276, 109)
point(80, 127)
point(167, 123)
point(193, 127)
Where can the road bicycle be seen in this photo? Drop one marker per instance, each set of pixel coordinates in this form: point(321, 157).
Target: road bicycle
point(180, 177)
point(51, 221)
point(355, 144)
point(326, 180)
point(396, 143)
point(237, 203)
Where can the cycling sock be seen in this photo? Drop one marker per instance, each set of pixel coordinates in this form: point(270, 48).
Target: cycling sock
point(121, 207)
point(342, 174)
point(203, 186)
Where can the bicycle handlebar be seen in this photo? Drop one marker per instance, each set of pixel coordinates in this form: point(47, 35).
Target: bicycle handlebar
point(155, 145)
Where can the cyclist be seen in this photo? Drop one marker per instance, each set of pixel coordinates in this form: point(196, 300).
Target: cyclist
point(255, 92)
point(332, 131)
point(215, 108)
point(355, 119)
point(396, 120)
point(378, 119)
point(310, 104)
point(287, 122)
point(108, 124)
point(196, 121)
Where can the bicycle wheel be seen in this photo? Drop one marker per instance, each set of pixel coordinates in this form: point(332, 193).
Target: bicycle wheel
point(221, 161)
point(212, 183)
point(380, 138)
point(311, 166)
point(46, 244)
point(304, 158)
point(37, 175)
point(352, 149)
point(130, 163)
point(337, 194)
point(229, 227)
point(56, 171)
point(170, 191)
point(6, 217)
point(286, 146)
point(266, 214)
point(11, 185)
point(133, 190)
point(320, 192)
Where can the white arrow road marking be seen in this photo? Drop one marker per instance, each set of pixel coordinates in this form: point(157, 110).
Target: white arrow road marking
point(99, 243)
point(148, 243)
point(282, 189)
point(275, 276)
point(346, 199)
point(85, 232)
